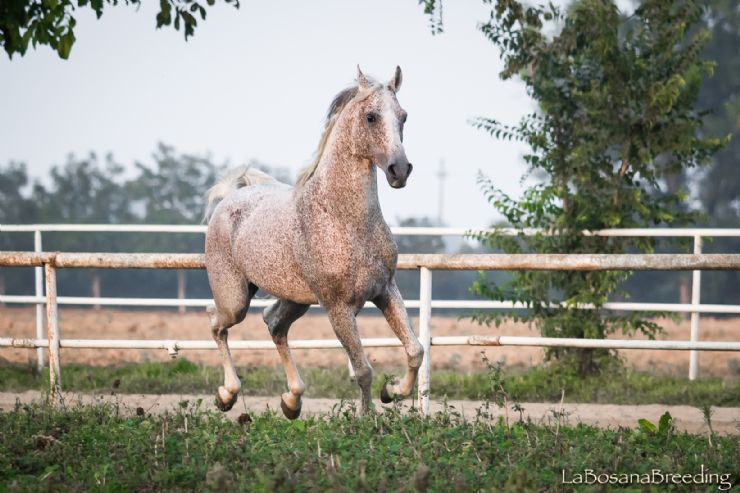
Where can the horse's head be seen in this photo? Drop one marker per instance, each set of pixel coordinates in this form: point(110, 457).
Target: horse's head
point(376, 122)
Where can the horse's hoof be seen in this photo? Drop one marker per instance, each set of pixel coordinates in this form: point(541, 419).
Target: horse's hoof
point(289, 413)
point(385, 397)
point(225, 406)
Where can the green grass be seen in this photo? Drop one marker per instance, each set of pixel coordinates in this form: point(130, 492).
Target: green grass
point(540, 384)
point(110, 448)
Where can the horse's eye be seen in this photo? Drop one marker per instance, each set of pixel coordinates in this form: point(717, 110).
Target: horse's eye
point(371, 117)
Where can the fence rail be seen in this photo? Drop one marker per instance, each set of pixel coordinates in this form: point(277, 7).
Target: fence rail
point(425, 263)
point(434, 261)
point(683, 262)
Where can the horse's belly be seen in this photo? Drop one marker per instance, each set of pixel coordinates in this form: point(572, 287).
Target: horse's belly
point(281, 283)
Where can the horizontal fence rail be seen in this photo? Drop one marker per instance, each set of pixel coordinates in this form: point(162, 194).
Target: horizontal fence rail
point(695, 307)
point(433, 261)
point(439, 304)
point(396, 230)
point(424, 262)
point(173, 346)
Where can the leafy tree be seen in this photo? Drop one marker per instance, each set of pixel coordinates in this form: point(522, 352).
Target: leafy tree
point(52, 22)
point(88, 191)
point(615, 122)
point(91, 190)
point(15, 207)
point(83, 190)
point(719, 189)
point(173, 191)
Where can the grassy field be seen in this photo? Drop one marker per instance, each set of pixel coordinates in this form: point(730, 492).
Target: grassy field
point(109, 448)
point(540, 384)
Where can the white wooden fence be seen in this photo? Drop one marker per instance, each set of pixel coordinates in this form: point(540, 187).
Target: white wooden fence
point(425, 263)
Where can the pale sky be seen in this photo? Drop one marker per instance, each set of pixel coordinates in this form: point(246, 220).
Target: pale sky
point(255, 83)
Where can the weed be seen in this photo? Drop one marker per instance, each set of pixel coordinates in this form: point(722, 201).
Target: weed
point(112, 448)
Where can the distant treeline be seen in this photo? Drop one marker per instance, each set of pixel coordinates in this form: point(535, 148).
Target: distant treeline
point(171, 190)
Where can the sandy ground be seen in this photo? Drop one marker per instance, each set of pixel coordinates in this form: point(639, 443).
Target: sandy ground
point(118, 324)
point(686, 418)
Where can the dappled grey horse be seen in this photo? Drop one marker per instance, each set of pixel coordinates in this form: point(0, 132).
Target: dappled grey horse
point(324, 240)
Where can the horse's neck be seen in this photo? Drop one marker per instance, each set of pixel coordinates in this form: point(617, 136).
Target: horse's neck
point(346, 187)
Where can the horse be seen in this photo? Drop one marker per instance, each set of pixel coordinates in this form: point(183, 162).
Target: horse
point(322, 241)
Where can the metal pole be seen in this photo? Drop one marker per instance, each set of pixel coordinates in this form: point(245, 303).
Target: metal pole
point(38, 272)
point(695, 300)
point(425, 337)
point(472, 340)
point(181, 289)
point(52, 326)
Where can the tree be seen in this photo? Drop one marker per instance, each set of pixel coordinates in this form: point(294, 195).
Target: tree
point(173, 191)
point(15, 208)
point(719, 188)
point(52, 23)
point(83, 190)
point(88, 191)
point(615, 123)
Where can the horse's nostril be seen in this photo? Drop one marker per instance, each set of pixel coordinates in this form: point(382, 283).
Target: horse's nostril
point(392, 170)
point(411, 167)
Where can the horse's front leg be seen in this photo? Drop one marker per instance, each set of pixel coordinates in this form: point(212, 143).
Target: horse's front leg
point(343, 321)
point(391, 304)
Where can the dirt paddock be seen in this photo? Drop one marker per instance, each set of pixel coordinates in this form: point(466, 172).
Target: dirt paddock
point(76, 323)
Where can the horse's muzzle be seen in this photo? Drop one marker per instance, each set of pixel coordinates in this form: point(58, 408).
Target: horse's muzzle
point(398, 173)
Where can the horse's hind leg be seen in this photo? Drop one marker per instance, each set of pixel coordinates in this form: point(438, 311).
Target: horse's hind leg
point(279, 318)
point(229, 310)
point(391, 304)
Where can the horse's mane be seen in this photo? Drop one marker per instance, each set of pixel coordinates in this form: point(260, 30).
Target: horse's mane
point(338, 104)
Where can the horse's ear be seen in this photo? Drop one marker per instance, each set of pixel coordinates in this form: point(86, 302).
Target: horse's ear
point(362, 81)
point(395, 83)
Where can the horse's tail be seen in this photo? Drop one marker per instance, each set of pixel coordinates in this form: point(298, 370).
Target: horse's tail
point(237, 178)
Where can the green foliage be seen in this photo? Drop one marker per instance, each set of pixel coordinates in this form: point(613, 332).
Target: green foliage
point(618, 386)
point(615, 121)
point(112, 448)
point(664, 428)
point(52, 22)
point(84, 190)
point(719, 188)
point(433, 9)
point(15, 203)
point(173, 190)
point(540, 384)
point(168, 189)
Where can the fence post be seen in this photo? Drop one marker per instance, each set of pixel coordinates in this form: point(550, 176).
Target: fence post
point(181, 289)
point(425, 337)
point(39, 290)
point(695, 300)
point(52, 326)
